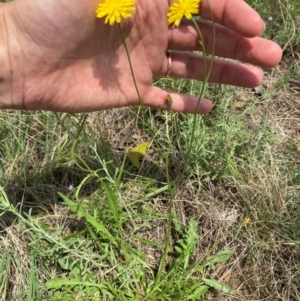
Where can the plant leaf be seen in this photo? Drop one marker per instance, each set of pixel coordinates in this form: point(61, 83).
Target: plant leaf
point(198, 292)
point(218, 286)
point(138, 152)
point(79, 210)
point(112, 202)
point(219, 257)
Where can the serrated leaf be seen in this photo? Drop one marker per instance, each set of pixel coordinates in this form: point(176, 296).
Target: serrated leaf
point(57, 283)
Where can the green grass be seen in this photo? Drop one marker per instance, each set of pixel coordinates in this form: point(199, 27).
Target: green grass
point(79, 222)
point(283, 27)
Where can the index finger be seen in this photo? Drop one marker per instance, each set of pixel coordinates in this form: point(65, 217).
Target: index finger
point(236, 15)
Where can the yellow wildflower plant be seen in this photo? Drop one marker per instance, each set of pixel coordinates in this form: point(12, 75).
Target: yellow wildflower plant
point(180, 9)
point(115, 10)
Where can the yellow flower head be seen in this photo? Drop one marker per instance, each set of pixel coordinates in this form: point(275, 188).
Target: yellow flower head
point(182, 8)
point(246, 220)
point(114, 10)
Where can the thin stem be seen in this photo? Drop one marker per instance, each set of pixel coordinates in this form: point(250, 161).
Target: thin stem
point(179, 179)
point(205, 81)
point(170, 209)
point(130, 64)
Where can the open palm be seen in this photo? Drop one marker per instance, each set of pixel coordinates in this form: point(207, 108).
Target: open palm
point(67, 60)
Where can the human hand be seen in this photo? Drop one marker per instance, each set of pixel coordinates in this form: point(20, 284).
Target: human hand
point(64, 59)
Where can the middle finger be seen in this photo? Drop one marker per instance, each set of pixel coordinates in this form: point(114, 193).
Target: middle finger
point(185, 64)
point(225, 43)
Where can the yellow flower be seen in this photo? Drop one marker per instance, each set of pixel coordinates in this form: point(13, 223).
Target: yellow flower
point(182, 8)
point(246, 220)
point(114, 10)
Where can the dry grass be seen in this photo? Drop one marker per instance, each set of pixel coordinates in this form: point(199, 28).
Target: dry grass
point(265, 265)
point(242, 189)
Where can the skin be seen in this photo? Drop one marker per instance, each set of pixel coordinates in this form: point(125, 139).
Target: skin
point(57, 56)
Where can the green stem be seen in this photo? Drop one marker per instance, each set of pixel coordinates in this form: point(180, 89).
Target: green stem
point(205, 81)
point(130, 64)
point(180, 178)
point(170, 209)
